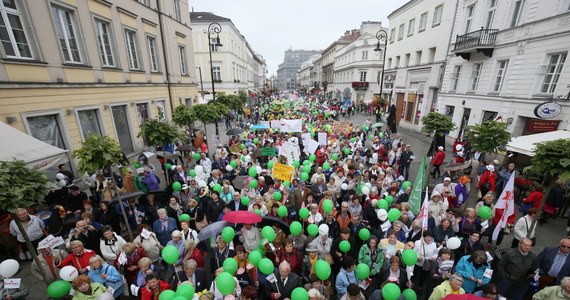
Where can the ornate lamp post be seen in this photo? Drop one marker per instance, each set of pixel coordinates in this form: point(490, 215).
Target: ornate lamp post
point(382, 35)
point(214, 28)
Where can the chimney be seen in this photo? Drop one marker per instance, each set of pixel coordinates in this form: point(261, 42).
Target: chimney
point(353, 31)
point(346, 33)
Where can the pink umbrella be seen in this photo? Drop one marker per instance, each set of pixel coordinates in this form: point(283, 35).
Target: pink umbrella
point(242, 217)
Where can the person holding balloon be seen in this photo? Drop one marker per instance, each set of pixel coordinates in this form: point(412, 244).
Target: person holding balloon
point(47, 258)
point(372, 255)
point(280, 286)
point(427, 251)
point(8, 269)
point(346, 276)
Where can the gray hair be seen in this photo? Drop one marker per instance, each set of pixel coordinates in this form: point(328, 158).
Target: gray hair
point(285, 264)
point(190, 264)
point(456, 277)
point(95, 258)
point(161, 210)
point(565, 282)
point(176, 233)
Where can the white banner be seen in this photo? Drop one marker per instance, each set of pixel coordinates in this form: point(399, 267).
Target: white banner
point(275, 124)
point(306, 137)
point(311, 146)
point(322, 138)
point(291, 152)
point(291, 125)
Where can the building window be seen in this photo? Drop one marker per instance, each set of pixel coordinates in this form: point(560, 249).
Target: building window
point(449, 110)
point(418, 57)
point(423, 22)
point(217, 73)
point(475, 77)
point(517, 12)
point(469, 17)
point(89, 121)
point(501, 72)
point(103, 31)
point(392, 35)
point(176, 4)
point(411, 27)
point(363, 75)
point(151, 45)
point(401, 32)
point(364, 55)
point(67, 34)
point(379, 76)
point(182, 55)
point(455, 77)
point(437, 14)
point(47, 128)
point(491, 13)
point(214, 44)
point(145, 2)
point(489, 116)
point(122, 127)
point(407, 60)
point(12, 31)
point(132, 50)
point(553, 70)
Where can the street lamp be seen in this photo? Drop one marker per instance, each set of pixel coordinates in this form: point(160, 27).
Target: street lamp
point(216, 28)
point(382, 35)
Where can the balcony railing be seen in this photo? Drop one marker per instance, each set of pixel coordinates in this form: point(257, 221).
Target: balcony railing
point(482, 38)
point(360, 85)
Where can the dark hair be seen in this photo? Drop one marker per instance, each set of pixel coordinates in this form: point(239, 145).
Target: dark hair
point(489, 288)
point(249, 292)
point(348, 262)
point(239, 248)
point(395, 259)
point(60, 165)
point(444, 251)
point(106, 228)
point(151, 276)
point(74, 188)
point(427, 233)
point(353, 289)
point(532, 211)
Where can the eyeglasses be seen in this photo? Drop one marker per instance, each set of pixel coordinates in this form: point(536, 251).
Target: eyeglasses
point(564, 246)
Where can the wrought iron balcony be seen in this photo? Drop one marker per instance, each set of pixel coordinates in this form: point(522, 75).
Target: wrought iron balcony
point(482, 40)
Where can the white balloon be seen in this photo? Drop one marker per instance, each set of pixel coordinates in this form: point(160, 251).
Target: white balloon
point(368, 184)
point(9, 268)
point(374, 202)
point(366, 190)
point(458, 147)
point(199, 170)
point(258, 169)
point(453, 243)
point(229, 168)
point(382, 214)
point(68, 273)
point(323, 229)
point(202, 183)
point(375, 155)
point(173, 168)
point(62, 183)
point(344, 186)
point(60, 176)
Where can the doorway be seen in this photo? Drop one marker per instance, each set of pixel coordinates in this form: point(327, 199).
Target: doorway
point(121, 121)
point(464, 120)
point(399, 107)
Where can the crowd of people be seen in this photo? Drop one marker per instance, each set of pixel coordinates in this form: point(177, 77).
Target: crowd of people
point(353, 190)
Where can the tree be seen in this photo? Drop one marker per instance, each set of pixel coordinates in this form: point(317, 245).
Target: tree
point(100, 153)
point(184, 116)
point(22, 187)
point(552, 158)
point(488, 137)
point(438, 123)
point(234, 102)
point(207, 113)
point(159, 133)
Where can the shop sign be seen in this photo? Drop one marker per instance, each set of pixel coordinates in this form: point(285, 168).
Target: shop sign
point(538, 125)
point(547, 110)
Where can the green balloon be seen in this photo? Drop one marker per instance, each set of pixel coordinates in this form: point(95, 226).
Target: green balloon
point(138, 165)
point(295, 228)
point(362, 271)
point(242, 146)
point(353, 140)
point(326, 166)
point(389, 199)
point(300, 293)
point(282, 211)
point(484, 212)
point(170, 254)
point(253, 183)
point(312, 157)
point(306, 169)
point(312, 134)
point(391, 291)
point(243, 158)
point(59, 288)
point(192, 173)
point(217, 187)
point(168, 167)
point(252, 172)
point(327, 206)
point(409, 257)
point(313, 229)
point(228, 234)
point(323, 269)
point(255, 140)
point(382, 203)
point(364, 234)
point(296, 164)
point(347, 151)
point(394, 214)
point(406, 184)
point(186, 290)
point(306, 163)
point(287, 183)
point(277, 196)
point(257, 211)
point(268, 233)
point(270, 164)
point(233, 163)
point(197, 156)
point(225, 283)
point(266, 266)
point(371, 137)
point(184, 217)
point(179, 298)
point(245, 201)
point(167, 295)
point(304, 176)
point(230, 265)
point(304, 213)
point(176, 186)
point(334, 156)
point(344, 246)
point(254, 257)
point(409, 294)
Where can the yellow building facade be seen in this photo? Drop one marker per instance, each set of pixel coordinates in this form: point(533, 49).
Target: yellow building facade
point(76, 67)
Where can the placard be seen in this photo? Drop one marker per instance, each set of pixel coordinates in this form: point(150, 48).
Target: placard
point(446, 265)
point(283, 172)
point(267, 151)
point(485, 224)
point(291, 125)
point(305, 137)
point(51, 242)
point(385, 226)
point(322, 138)
point(311, 146)
point(341, 127)
point(145, 234)
point(12, 283)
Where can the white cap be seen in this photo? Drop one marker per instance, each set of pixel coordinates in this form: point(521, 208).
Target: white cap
point(446, 179)
point(440, 148)
point(491, 168)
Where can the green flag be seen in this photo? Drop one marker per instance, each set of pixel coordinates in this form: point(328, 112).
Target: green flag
point(415, 199)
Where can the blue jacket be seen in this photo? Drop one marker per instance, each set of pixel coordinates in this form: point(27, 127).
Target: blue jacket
point(343, 279)
point(466, 269)
point(162, 235)
point(545, 260)
point(114, 279)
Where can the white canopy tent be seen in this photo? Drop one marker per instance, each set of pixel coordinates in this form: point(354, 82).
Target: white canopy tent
point(18, 145)
point(525, 144)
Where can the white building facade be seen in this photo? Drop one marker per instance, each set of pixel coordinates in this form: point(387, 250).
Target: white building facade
point(418, 40)
point(357, 66)
point(507, 58)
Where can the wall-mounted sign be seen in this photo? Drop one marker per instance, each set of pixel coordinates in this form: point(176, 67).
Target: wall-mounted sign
point(537, 125)
point(547, 110)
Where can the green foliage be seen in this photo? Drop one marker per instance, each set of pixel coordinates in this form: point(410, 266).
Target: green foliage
point(553, 158)
point(21, 186)
point(207, 113)
point(489, 136)
point(97, 153)
point(235, 102)
point(158, 133)
point(438, 123)
point(184, 116)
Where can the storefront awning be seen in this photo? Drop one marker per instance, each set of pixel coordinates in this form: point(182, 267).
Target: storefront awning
point(526, 144)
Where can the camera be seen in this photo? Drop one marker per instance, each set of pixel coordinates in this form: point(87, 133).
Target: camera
point(85, 227)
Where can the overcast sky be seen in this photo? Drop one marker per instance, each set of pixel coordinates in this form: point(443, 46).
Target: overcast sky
point(272, 26)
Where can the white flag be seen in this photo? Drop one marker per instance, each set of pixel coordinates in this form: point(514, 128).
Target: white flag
point(506, 202)
point(424, 212)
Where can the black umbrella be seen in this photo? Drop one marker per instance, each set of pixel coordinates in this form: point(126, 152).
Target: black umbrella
point(212, 230)
point(274, 221)
point(234, 131)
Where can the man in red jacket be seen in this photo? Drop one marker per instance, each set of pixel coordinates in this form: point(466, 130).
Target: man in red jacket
point(438, 161)
point(154, 286)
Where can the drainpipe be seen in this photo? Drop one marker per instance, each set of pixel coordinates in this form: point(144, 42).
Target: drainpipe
point(164, 56)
